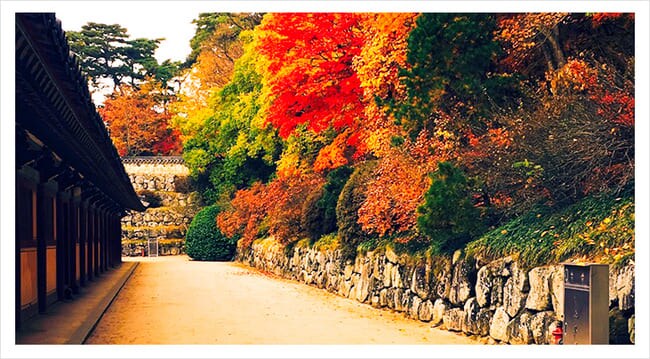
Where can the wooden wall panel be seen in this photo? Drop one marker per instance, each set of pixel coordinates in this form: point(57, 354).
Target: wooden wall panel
point(51, 269)
point(28, 290)
point(77, 262)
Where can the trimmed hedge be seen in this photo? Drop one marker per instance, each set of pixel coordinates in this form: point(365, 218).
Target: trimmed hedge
point(204, 241)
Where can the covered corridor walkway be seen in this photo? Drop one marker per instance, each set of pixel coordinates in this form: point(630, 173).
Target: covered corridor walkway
point(71, 188)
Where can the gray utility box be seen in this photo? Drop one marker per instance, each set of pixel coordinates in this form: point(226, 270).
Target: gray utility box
point(152, 245)
point(586, 304)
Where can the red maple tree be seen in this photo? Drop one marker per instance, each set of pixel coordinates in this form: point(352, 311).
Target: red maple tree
point(310, 70)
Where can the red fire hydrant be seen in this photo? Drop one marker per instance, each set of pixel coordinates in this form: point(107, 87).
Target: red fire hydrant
point(558, 334)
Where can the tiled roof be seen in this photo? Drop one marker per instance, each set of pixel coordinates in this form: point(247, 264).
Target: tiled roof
point(53, 103)
point(156, 160)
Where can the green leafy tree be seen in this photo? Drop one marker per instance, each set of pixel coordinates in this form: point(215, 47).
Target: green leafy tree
point(219, 33)
point(319, 210)
point(233, 147)
point(105, 52)
point(448, 216)
point(350, 200)
point(139, 57)
point(166, 71)
point(101, 51)
point(451, 66)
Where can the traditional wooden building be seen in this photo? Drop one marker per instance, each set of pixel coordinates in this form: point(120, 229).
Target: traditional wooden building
point(71, 188)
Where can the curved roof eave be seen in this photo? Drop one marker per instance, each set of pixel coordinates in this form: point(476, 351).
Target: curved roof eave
point(49, 85)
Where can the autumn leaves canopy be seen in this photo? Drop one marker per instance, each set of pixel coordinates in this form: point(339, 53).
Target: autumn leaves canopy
point(520, 109)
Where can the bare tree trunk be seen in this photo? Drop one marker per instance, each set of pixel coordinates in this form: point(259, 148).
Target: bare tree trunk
point(553, 36)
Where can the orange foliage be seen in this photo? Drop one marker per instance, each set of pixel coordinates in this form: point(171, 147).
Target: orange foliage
point(310, 73)
point(335, 71)
point(601, 17)
point(215, 63)
point(520, 30)
point(276, 207)
point(522, 33)
point(333, 155)
point(393, 195)
point(249, 208)
point(615, 102)
point(500, 137)
point(377, 66)
point(574, 76)
point(400, 181)
point(286, 196)
point(617, 107)
point(138, 125)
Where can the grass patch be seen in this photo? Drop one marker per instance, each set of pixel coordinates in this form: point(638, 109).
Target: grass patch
point(268, 243)
point(328, 242)
point(596, 228)
point(368, 245)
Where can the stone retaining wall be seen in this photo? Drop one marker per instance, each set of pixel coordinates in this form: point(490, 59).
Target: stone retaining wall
point(498, 302)
point(163, 183)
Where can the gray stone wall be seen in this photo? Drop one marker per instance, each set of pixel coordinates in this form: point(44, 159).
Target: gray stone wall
point(497, 302)
point(165, 187)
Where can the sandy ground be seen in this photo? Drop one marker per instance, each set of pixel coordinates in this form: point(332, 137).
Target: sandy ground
point(172, 300)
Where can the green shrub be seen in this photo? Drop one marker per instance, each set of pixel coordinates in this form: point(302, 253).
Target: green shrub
point(312, 216)
point(204, 241)
point(319, 210)
point(447, 216)
point(327, 242)
point(350, 200)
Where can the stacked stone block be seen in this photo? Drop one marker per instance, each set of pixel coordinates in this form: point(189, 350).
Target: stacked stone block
point(497, 302)
point(164, 183)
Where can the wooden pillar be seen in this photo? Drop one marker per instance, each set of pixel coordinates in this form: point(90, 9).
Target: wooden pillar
point(106, 242)
point(83, 240)
point(45, 235)
point(21, 234)
point(27, 180)
point(119, 236)
point(73, 263)
point(111, 239)
point(98, 235)
point(90, 269)
point(107, 229)
point(102, 240)
point(62, 243)
point(110, 253)
point(98, 240)
point(117, 239)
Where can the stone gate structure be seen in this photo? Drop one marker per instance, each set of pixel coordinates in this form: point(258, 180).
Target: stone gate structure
point(164, 186)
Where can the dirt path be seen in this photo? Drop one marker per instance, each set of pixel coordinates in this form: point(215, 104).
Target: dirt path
point(172, 300)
